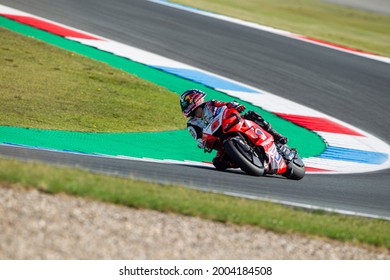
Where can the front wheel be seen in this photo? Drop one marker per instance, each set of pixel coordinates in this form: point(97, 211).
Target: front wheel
point(296, 169)
point(244, 156)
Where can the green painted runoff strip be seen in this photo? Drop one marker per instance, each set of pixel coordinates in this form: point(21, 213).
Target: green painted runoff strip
point(175, 145)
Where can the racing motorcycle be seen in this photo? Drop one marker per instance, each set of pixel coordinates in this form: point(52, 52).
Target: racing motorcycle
point(250, 147)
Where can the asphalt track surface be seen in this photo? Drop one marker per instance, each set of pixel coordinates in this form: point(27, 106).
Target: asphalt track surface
point(351, 88)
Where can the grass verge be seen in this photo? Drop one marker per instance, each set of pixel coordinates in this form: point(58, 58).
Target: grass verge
point(176, 199)
point(50, 88)
point(350, 27)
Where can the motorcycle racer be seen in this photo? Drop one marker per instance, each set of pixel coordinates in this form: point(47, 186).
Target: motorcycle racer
point(200, 112)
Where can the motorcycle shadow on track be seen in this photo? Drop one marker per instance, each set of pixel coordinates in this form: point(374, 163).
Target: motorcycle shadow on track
point(235, 172)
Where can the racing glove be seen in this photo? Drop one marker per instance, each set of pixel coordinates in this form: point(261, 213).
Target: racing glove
point(240, 108)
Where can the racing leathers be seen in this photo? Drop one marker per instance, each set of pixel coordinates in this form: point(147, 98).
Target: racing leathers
point(196, 125)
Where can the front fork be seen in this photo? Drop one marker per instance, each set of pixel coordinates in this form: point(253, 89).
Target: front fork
point(286, 152)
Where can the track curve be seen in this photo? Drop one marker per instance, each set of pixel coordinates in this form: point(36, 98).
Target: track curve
point(320, 78)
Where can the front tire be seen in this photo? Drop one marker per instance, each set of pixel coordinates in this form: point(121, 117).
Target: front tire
point(236, 154)
point(296, 171)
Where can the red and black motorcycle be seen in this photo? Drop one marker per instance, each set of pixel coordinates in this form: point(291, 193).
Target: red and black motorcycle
point(250, 147)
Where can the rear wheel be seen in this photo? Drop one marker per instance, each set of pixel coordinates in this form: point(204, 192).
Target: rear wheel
point(244, 156)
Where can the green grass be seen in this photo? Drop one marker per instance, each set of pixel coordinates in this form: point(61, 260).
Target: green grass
point(176, 199)
point(350, 27)
point(50, 88)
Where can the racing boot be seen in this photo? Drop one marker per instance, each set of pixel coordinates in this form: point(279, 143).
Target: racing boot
point(257, 118)
point(277, 136)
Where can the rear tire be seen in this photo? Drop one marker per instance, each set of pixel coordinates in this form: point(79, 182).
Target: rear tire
point(236, 155)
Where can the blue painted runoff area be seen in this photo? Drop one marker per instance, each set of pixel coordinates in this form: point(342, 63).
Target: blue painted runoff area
point(206, 79)
point(360, 156)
